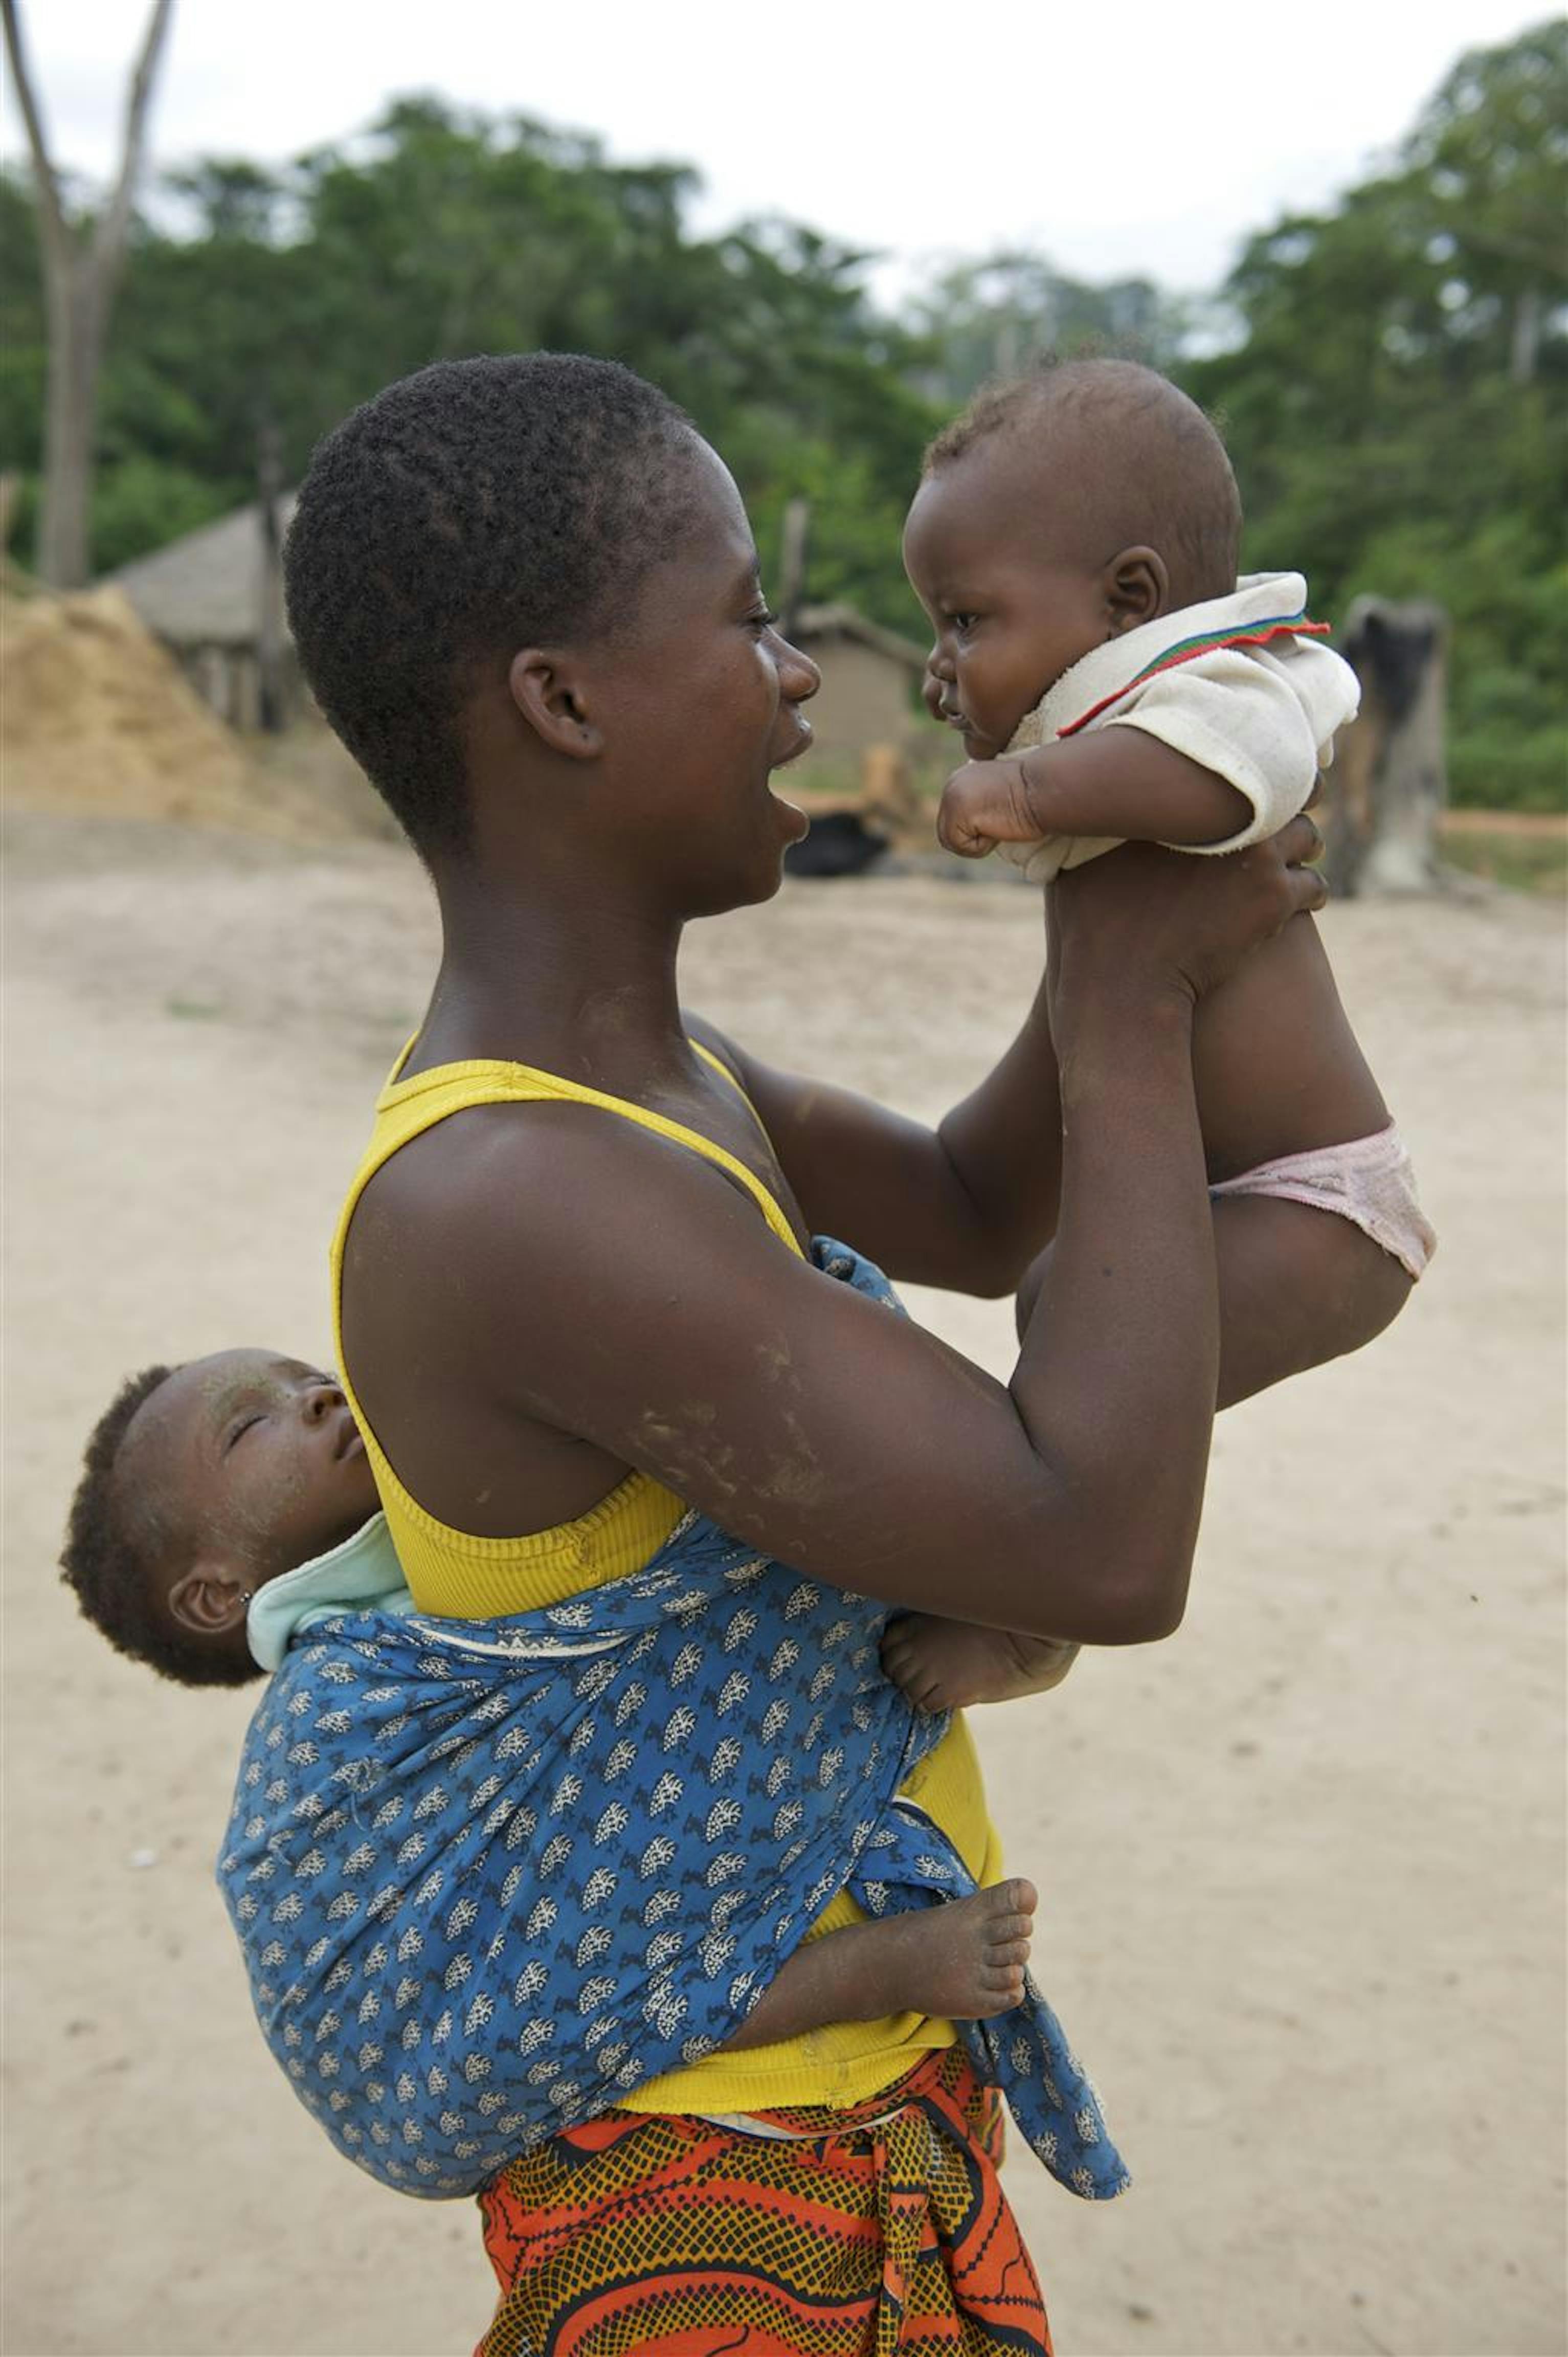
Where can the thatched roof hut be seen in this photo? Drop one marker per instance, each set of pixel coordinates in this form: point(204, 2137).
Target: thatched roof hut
point(214, 599)
point(204, 597)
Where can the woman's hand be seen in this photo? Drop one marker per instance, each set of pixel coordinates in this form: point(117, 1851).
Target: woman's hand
point(1161, 920)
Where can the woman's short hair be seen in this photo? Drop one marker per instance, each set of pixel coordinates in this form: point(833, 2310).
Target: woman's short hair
point(478, 507)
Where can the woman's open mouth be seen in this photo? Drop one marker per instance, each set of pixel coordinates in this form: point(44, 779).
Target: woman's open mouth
point(802, 744)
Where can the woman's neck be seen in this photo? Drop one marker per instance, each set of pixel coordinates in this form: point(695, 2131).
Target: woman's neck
point(582, 984)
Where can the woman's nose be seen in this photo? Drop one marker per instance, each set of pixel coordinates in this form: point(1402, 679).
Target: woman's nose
point(799, 677)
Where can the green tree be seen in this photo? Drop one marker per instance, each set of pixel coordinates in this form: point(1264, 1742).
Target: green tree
point(1392, 394)
point(1395, 407)
point(997, 316)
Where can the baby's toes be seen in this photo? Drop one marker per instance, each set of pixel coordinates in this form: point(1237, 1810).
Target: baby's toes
point(904, 1661)
point(1014, 1904)
point(913, 1678)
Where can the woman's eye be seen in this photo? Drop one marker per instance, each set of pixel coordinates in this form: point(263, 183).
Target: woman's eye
point(766, 620)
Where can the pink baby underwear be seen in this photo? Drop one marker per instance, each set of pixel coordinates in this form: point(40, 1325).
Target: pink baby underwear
point(1369, 1181)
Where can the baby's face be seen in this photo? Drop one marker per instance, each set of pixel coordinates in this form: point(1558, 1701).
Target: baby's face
point(248, 1462)
point(1011, 608)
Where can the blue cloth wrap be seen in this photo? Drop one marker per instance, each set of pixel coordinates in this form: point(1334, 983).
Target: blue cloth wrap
point(490, 1876)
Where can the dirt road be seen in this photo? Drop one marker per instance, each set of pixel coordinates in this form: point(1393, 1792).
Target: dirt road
point(1300, 1867)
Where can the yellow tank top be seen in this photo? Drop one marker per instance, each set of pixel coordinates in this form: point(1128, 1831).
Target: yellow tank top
point(458, 1575)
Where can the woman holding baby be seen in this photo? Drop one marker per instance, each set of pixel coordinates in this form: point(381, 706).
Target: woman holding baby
point(589, 1320)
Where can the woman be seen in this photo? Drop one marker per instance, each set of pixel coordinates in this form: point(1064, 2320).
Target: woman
point(578, 1296)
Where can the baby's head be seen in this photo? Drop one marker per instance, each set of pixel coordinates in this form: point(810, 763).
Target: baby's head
point(200, 1484)
point(1054, 513)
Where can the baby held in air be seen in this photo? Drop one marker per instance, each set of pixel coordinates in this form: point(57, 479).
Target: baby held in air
point(1074, 543)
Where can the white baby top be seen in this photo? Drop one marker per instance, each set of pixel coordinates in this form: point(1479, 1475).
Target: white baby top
point(1239, 685)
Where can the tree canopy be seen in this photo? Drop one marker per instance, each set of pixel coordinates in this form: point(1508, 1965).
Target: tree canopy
point(1390, 381)
point(1394, 403)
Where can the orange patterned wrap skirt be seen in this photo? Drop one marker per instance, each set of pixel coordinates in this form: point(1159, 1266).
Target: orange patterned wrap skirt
point(810, 2232)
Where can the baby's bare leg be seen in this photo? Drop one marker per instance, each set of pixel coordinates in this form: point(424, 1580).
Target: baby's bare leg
point(962, 1961)
point(947, 1665)
point(1297, 1287)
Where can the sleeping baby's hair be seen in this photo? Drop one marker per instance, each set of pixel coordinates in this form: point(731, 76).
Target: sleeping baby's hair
point(1139, 460)
point(110, 1556)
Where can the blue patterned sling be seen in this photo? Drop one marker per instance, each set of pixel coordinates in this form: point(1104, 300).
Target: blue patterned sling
point(490, 1876)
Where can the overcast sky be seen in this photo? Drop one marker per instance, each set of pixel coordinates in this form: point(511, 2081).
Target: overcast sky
point(1116, 139)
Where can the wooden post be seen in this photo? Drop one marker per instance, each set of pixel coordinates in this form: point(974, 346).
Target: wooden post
point(270, 712)
point(887, 790)
point(1386, 792)
point(792, 561)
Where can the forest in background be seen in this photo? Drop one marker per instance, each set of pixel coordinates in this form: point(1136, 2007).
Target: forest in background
point(1389, 375)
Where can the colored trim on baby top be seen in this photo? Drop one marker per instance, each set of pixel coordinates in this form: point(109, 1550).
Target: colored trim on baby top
point(456, 1573)
point(1186, 651)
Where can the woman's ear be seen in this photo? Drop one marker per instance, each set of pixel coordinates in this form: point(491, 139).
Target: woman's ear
point(209, 1599)
point(1137, 588)
point(549, 692)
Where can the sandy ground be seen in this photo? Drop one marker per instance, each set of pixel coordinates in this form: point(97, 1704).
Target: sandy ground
point(1302, 1866)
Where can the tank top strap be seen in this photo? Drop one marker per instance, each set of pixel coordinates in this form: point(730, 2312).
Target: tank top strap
point(406, 1109)
point(723, 1069)
point(457, 1572)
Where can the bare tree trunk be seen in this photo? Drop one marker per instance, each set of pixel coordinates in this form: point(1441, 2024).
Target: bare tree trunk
point(1388, 787)
point(81, 271)
point(1525, 344)
point(75, 334)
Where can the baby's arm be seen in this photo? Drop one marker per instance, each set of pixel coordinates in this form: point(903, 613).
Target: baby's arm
point(962, 1961)
point(1118, 781)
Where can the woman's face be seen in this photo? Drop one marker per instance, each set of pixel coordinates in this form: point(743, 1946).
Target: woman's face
point(698, 702)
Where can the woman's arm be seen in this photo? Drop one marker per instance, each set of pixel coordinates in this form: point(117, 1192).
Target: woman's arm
point(966, 1205)
point(607, 1284)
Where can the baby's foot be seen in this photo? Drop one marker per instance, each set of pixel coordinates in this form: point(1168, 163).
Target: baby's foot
point(947, 1664)
point(963, 1960)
